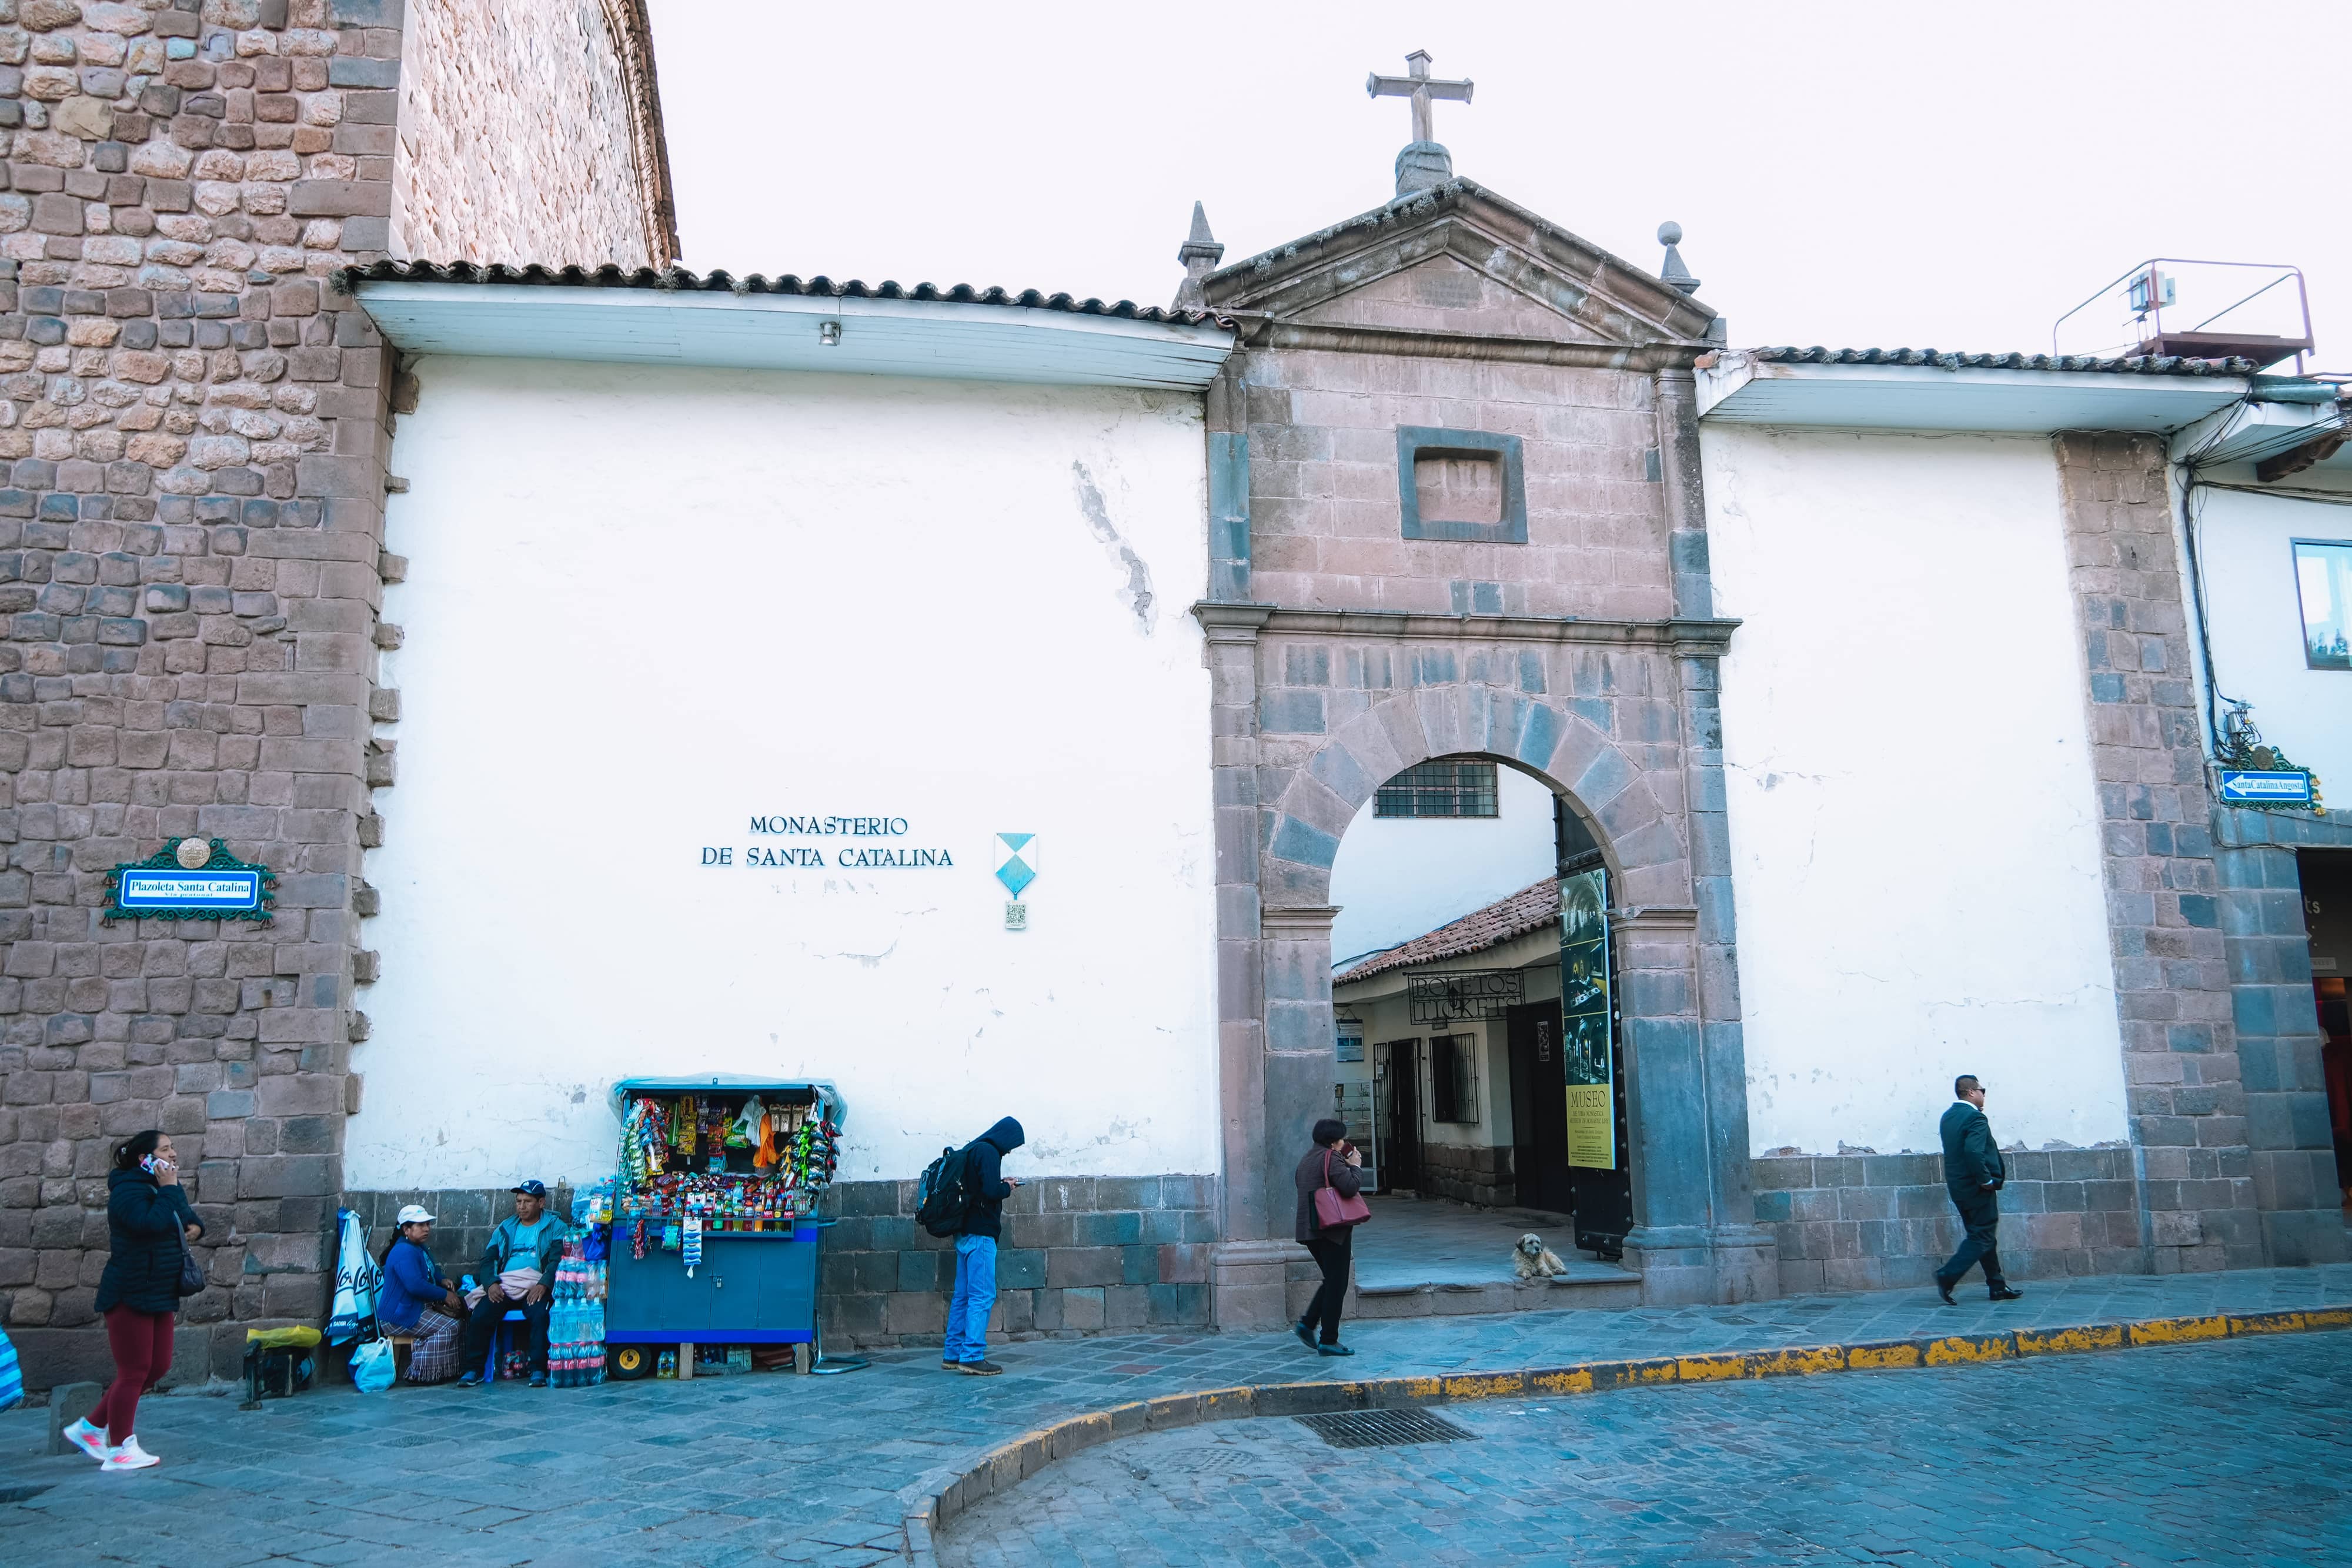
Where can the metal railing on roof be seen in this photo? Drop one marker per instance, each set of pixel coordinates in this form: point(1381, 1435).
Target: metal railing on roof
point(2197, 309)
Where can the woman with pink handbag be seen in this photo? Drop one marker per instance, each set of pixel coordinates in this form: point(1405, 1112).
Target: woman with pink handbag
point(1331, 1207)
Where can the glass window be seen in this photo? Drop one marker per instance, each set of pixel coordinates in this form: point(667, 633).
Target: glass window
point(1449, 787)
point(2323, 577)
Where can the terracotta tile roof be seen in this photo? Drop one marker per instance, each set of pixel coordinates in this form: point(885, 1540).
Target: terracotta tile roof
point(678, 279)
point(2133, 364)
point(1530, 909)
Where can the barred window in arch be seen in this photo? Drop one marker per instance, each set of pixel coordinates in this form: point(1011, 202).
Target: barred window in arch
point(1449, 787)
point(2323, 580)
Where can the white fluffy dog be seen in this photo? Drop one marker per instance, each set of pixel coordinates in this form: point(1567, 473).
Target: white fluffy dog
point(1531, 1260)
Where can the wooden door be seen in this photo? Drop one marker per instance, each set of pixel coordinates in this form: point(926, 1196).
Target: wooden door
point(1399, 1117)
point(1539, 1107)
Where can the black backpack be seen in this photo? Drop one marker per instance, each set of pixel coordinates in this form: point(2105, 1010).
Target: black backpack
point(943, 1196)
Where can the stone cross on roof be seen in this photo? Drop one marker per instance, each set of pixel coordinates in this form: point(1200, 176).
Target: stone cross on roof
point(1420, 87)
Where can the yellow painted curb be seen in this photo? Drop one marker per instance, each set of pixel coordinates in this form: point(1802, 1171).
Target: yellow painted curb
point(1798, 1362)
point(2070, 1341)
point(1718, 1366)
point(2179, 1331)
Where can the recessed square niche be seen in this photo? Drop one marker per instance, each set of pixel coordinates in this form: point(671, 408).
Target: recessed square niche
point(1461, 485)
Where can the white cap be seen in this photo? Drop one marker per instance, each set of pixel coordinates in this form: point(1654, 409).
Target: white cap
point(413, 1214)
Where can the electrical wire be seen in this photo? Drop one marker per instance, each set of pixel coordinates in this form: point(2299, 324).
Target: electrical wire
point(2193, 511)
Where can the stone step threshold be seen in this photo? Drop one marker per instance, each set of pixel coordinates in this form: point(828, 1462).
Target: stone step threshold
point(1588, 1288)
point(942, 1494)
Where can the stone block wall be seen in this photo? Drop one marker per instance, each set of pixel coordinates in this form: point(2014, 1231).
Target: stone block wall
point(1869, 1222)
point(2186, 1096)
point(531, 132)
point(2290, 1143)
point(463, 1218)
point(192, 423)
point(1079, 1255)
point(1325, 502)
point(1468, 1173)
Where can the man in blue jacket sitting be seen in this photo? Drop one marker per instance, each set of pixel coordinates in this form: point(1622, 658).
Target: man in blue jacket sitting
point(517, 1271)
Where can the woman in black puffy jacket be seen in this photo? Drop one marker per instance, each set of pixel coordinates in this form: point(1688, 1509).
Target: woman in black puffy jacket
point(150, 1224)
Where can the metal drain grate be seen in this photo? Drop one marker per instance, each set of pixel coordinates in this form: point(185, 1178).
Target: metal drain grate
point(1383, 1428)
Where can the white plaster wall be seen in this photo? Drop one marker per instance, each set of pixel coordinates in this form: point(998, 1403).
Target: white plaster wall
point(643, 606)
point(2254, 619)
point(1397, 878)
point(1916, 856)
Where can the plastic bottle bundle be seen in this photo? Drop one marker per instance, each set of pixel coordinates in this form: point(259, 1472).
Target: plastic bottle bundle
point(559, 1344)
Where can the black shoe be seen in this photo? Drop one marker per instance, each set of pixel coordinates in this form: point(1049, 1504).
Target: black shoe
point(1944, 1289)
point(951, 1367)
point(1306, 1333)
point(539, 1380)
point(978, 1368)
point(2004, 1293)
point(471, 1380)
point(1333, 1350)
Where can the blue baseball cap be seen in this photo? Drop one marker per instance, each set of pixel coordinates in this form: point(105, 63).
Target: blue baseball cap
point(535, 1188)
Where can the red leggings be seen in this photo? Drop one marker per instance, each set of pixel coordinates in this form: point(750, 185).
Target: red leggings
point(141, 1343)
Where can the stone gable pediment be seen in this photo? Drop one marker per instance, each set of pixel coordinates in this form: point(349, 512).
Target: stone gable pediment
point(1446, 294)
point(1458, 260)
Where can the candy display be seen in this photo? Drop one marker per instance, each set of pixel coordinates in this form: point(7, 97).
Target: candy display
point(713, 1231)
point(739, 1162)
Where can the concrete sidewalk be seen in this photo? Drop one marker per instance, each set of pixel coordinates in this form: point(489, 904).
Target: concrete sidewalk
point(773, 1467)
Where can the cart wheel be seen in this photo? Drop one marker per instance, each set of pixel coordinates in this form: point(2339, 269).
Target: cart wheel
point(803, 1358)
point(627, 1363)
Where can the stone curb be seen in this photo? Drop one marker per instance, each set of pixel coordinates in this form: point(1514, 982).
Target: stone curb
point(942, 1494)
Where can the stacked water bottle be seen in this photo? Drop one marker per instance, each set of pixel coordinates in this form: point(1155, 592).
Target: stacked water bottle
point(575, 1326)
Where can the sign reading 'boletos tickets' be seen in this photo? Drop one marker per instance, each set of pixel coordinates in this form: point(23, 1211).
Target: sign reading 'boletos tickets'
point(1584, 1016)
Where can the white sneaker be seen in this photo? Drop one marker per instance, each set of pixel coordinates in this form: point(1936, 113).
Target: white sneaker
point(129, 1457)
point(89, 1439)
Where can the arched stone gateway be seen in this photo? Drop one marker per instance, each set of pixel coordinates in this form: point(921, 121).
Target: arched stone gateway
point(1455, 509)
point(1592, 709)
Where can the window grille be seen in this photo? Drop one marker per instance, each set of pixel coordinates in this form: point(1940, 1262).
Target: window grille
point(1454, 1078)
point(1449, 787)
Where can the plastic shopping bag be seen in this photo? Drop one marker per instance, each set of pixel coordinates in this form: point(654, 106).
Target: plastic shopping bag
point(12, 1378)
point(372, 1369)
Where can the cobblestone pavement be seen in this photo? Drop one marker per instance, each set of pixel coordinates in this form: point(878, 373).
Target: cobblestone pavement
point(773, 1467)
point(2224, 1453)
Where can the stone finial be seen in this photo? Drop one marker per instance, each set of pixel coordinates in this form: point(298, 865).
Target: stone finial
point(1672, 273)
point(1200, 252)
point(1423, 166)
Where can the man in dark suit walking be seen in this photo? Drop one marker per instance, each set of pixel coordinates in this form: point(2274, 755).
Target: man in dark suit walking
point(1973, 1174)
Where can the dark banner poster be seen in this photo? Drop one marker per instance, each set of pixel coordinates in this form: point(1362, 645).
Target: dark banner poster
point(1584, 1013)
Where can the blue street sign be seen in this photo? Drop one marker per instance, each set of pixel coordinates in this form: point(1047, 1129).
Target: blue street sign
point(212, 892)
point(2240, 784)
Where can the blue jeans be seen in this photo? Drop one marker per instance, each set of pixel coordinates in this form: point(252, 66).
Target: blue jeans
point(975, 1298)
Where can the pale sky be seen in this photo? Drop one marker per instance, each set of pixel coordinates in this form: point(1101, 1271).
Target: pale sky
point(1857, 176)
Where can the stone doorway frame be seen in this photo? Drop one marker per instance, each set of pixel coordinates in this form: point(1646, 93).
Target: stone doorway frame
point(1281, 812)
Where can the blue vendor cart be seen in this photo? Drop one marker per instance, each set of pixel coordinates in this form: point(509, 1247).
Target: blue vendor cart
point(750, 1286)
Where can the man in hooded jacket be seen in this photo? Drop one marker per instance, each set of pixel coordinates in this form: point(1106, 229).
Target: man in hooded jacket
point(987, 1187)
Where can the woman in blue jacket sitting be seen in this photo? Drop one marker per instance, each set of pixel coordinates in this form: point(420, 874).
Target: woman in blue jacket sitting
point(418, 1299)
